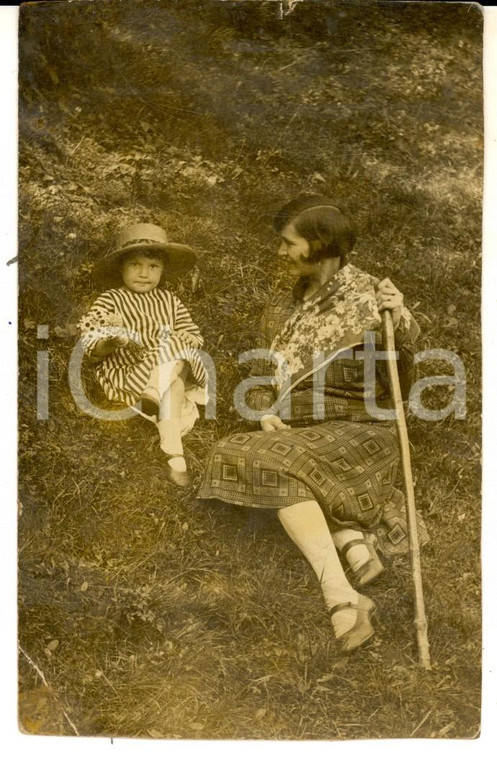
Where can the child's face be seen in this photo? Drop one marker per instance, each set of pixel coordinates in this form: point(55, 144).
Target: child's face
point(141, 273)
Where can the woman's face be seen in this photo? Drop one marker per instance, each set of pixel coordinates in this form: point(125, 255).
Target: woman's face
point(294, 250)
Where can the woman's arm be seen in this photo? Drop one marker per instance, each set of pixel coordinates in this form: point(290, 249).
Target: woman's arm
point(262, 397)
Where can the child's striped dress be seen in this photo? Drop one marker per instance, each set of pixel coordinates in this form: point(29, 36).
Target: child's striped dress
point(150, 321)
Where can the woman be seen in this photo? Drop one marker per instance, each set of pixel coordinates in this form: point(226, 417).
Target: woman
point(329, 469)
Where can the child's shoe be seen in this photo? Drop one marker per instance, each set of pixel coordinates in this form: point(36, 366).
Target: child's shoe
point(149, 404)
point(176, 472)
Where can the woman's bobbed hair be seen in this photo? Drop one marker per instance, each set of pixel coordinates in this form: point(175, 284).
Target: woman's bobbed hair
point(329, 231)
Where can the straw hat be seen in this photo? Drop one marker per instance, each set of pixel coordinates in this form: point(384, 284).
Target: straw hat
point(178, 258)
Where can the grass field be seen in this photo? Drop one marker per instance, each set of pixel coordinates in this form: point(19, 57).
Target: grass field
point(147, 612)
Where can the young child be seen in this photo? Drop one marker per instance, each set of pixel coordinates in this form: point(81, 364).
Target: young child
point(143, 340)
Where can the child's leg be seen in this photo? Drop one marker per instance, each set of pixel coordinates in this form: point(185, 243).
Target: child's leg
point(158, 384)
point(172, 389)
point(169, 422)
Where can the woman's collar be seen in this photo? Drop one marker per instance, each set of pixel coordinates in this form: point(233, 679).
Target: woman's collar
point(299, 289)
point(300, 286)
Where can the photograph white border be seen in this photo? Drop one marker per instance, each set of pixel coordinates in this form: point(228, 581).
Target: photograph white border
point(18, 745)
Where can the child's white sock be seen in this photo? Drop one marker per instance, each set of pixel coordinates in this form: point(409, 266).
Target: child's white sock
point(170, 437)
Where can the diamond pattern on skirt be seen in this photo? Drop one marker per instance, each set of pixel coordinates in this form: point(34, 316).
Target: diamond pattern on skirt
point(229, 472)
point(269, 478)
point(365, 502)
point(396, 535)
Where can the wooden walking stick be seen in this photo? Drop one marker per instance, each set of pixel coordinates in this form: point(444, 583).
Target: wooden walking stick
point(412, 528)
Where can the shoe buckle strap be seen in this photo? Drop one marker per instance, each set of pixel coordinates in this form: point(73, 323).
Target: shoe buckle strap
point(342, 606)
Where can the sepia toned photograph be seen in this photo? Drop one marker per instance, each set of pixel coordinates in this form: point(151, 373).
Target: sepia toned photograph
point(249, 281)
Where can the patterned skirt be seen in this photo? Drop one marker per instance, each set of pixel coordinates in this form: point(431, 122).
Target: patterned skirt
point(349, 468)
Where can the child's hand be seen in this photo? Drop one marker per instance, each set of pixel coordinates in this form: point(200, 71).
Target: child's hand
point(192, 340)
point(107, 345)
point(115, 336)
point(119, 341)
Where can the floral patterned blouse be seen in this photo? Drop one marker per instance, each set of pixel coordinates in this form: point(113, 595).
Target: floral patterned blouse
point(343, 384)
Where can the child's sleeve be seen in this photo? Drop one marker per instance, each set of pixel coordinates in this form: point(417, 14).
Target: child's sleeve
point(183, 321)
point(99, 322)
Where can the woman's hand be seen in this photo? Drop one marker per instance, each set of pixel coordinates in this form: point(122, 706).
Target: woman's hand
point(389, 297)
point(272, 422)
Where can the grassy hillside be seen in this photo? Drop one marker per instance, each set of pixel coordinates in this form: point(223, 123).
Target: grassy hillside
point(148, 612)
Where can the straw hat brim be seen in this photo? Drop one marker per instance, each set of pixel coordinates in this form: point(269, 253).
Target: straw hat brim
point(180, 258)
